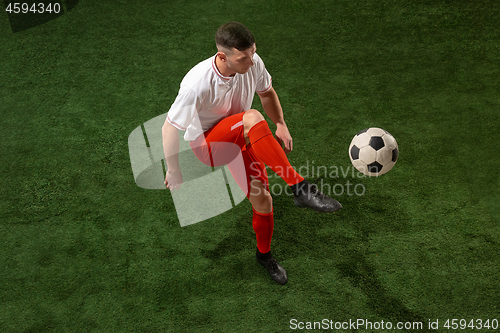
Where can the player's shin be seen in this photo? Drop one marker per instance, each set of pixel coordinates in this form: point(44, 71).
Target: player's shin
point(263, 225)
point(271, 153)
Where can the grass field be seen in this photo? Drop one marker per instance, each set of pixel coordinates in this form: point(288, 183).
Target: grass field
point(84, 249)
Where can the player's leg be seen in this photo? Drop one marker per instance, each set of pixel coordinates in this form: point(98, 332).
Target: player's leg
point(259, 197)
point(265, 146)
point(225, 144)
point(263, 218)
point(257, 133)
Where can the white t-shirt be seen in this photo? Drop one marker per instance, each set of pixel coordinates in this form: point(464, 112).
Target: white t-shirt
point(206, 96)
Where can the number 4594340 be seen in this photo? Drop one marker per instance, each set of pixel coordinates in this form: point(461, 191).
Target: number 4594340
point(455, 324)
point(40, 8)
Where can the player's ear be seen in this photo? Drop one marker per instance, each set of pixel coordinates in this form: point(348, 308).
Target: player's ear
point(222, 56)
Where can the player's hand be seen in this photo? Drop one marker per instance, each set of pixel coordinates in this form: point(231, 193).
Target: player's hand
point(173, 180)
point(284, 138)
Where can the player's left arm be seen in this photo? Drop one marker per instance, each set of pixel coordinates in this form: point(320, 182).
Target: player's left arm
point(272, 107)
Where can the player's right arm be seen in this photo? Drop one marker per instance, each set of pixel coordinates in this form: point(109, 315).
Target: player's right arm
point(179, 117)
point(170, 137)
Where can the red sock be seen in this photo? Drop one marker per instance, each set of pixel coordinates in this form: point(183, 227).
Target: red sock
point(263, 225)
point(270, 152)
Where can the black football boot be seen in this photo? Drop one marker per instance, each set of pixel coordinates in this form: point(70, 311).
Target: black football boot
point(275, 270)
point(308, 195)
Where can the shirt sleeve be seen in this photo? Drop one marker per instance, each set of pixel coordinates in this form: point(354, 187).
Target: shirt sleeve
point(184, 109)
point(264, 80)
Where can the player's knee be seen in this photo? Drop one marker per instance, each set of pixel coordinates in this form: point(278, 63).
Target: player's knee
point(252, 117)
point(264, 204)
point(261, 199)
point(268, 201)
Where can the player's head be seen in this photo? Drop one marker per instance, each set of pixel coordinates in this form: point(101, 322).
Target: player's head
point(234, 35)
point(236, 46)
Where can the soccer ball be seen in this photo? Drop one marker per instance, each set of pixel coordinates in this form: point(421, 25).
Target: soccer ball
point(373, 151)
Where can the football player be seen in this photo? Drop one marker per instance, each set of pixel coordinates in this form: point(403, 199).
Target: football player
point(213, 107)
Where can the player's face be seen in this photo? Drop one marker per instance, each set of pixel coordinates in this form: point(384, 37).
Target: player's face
point(241, 61)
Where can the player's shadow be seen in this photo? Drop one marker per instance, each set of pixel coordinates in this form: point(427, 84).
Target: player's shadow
point(344, 238)
point(377, 216)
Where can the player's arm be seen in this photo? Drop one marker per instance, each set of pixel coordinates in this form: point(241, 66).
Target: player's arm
point(178, 118)
point(272, 107)
point(170, 137)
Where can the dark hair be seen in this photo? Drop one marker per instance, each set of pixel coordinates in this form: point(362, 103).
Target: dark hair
point(234, 34)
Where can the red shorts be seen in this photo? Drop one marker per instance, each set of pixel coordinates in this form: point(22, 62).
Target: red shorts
point(224, 144)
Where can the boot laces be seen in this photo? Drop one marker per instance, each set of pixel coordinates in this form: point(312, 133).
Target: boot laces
point(273, 264)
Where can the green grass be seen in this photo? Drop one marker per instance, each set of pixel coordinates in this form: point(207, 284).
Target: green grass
point(83, 249)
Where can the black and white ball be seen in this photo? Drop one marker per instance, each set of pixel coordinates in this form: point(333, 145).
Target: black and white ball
point(373, 151)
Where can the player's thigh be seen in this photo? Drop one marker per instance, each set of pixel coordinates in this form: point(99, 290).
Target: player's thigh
point(222, 143)
point(229, 129)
